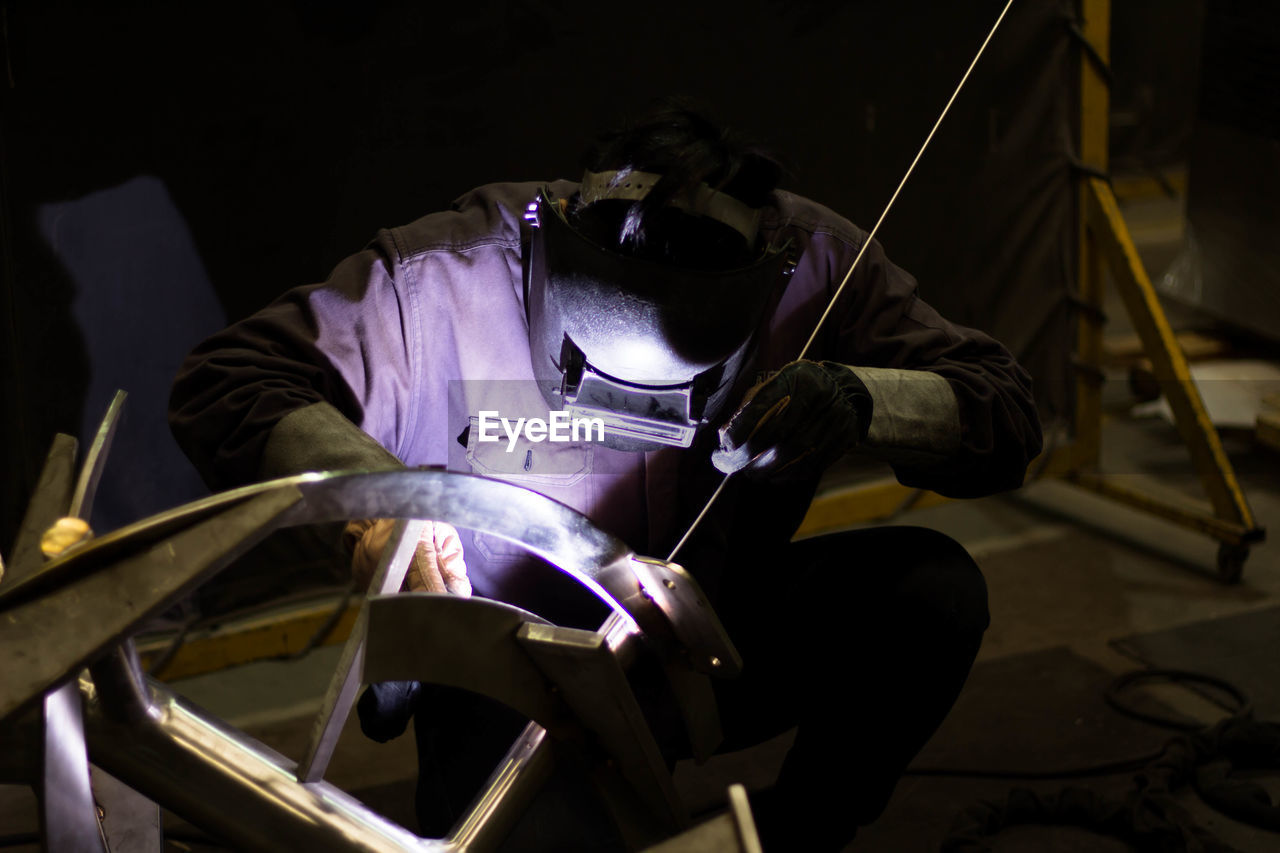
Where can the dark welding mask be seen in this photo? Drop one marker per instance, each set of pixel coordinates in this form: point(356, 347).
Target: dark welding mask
point(650, 349)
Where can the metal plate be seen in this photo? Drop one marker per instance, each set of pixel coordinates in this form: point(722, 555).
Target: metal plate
point(459, 642)
point(45, 641)
point(547, 528)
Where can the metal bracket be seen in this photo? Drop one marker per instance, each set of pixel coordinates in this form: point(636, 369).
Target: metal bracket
point(592, 683)
point(345, 682)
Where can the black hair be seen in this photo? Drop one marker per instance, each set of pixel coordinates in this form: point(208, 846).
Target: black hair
point(677, 139)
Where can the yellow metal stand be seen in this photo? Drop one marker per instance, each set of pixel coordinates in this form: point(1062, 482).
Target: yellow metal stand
point(1227, 518)
point(281, 635)
point(1103, 239)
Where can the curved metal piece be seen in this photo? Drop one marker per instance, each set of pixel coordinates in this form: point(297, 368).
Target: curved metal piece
point(224, 781)
point(546, 527)
point(340, 696)
point(47, 640)
point(490, 662)
point(514, 782)
point(95, 459)
point(558, 534)
point(690, 617)
point(593, 684)
point(68, 817)
point(48, 502)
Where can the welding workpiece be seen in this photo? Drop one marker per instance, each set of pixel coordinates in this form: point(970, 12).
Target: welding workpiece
point(570, 683)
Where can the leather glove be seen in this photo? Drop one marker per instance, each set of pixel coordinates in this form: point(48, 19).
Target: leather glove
point(796, 422)
point(437, 565)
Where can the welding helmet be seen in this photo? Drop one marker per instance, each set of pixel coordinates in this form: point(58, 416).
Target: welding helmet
point(650, 348)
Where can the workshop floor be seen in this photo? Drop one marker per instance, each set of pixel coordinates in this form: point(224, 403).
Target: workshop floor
point(1068, 573)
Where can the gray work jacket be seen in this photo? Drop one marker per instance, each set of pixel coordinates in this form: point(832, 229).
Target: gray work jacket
point(411, 338)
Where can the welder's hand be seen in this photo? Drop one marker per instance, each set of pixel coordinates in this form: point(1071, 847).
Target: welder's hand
point(437, 565)
point(796, 422)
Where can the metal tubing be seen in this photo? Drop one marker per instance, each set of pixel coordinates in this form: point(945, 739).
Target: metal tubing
point(592, 683)
point(48, 503)
point(232, 786)
point(345, 682)
point(118, 685)
point(67, 817)
point(661, 597)
point(130, 822)
point(558, 534)
point(49, 639)
point(96, 459)
point(507, 794)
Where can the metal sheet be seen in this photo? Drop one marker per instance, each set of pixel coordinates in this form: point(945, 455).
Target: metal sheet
point(689, 616)
point(130, 822)
point(67, 817)
point(594, 686)
point(49, 502)
point(47, 640)
point(419, 636)
point(663, 598)
point(696, 700)
point(510, 788)
point(232, 786)
point(134, 572)
point(345, 682)
point(95, 459)
point(547, 528)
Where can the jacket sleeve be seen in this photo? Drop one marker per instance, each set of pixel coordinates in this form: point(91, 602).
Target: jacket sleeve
point(304, 383)
point(976, 440)
point(385, 708)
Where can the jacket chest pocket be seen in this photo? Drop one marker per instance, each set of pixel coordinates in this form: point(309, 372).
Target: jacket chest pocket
point(552, 468)
point(533, 458)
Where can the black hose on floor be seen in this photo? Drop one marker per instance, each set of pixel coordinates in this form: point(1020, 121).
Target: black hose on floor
point(1211, 759)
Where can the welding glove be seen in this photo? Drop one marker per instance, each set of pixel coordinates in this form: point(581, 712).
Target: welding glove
point(796, 422)
point(437, 564)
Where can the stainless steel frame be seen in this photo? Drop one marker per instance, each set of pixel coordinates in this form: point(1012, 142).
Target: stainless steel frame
point(224, 781)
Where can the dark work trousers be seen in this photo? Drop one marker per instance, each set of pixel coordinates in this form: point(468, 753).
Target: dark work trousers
point(862, 640)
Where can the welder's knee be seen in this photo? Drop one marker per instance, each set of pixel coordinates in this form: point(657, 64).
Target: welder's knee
point(937, 579)
point(904, 576)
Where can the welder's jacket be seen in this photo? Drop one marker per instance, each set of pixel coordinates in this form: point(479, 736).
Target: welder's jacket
point(408, 338)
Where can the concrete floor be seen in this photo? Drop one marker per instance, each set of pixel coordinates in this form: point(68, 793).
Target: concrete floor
point(1134, 574)
point(1137, 574)
point(1130, 573)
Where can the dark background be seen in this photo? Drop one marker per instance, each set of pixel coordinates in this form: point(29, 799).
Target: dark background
point(168, 168)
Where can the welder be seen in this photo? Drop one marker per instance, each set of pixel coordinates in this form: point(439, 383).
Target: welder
point(663, 299)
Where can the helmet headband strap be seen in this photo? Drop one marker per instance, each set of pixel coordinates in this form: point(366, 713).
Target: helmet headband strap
point(631, 185)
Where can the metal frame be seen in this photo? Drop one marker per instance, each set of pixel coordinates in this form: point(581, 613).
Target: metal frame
point(1104, 244)
point(571, 683)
